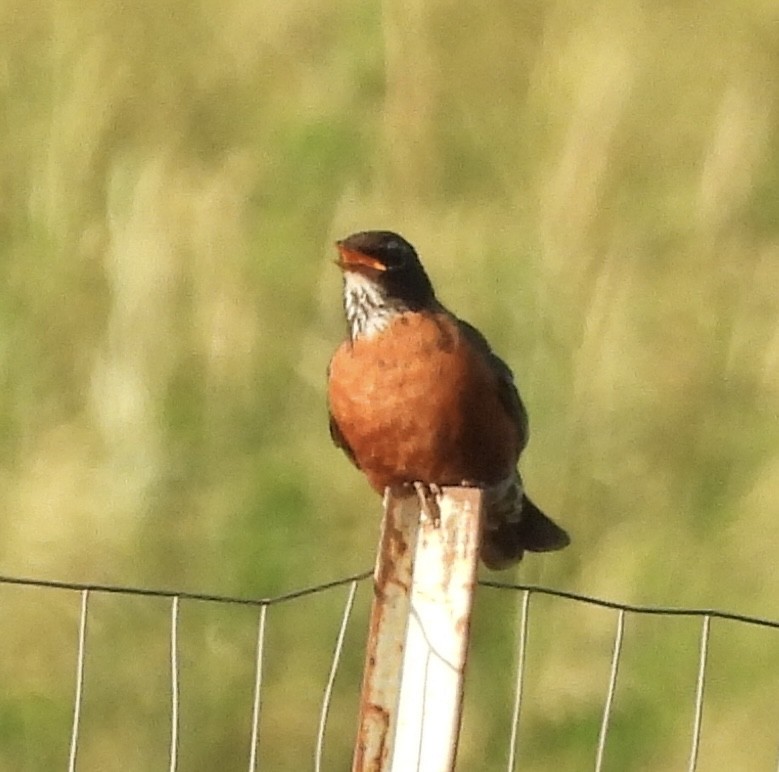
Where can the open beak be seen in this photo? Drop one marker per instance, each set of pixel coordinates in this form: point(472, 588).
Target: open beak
point(351, 260)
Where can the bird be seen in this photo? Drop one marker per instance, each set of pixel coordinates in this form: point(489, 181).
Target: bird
point(417, 397)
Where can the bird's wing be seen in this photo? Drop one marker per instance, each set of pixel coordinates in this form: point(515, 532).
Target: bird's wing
point(340, 441)
point(509, 395)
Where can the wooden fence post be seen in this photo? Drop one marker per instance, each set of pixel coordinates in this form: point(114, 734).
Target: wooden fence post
point(412, 690)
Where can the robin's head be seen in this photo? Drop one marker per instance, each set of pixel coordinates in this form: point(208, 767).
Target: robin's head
point(382, 277)
point(390, 262)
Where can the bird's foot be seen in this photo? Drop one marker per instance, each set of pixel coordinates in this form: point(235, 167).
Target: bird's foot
point(428, 501)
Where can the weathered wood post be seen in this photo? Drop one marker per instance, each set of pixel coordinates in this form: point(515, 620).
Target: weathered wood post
point(412, 689)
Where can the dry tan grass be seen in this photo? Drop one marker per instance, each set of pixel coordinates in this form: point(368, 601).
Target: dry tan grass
point(594, 184)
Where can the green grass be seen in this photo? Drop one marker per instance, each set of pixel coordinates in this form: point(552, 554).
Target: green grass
point(592, 183)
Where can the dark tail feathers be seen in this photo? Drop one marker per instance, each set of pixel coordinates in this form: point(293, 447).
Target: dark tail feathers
point(504, 546)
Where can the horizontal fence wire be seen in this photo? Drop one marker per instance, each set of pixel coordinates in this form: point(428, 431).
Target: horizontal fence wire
point(272, 600)
point(636, 609)
point(117, 589)
point(525, 592)
point(704, 614)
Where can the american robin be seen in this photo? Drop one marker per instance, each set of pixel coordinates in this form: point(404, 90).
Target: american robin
point(417, 396)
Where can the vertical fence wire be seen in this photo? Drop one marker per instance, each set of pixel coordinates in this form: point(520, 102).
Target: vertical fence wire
point(696, 729)
point(320, 739)
point(174, 683)
point(423, 711)
point(82, 636)
point(604, 727)
point(522, 647)
point(257, 688)
point(87, 590)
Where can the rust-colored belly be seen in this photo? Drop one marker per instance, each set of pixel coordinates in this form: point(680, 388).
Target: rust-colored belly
point(418, 403)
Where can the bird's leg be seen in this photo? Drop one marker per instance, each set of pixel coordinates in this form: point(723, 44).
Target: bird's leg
point(428, 501)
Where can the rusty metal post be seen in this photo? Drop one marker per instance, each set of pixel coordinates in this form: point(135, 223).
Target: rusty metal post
point(417, 645)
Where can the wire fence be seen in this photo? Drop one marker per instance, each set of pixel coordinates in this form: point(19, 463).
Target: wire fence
point(622, 609)
point(525, 591)
point(175, 597)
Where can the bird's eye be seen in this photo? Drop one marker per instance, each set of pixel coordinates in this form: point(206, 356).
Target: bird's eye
point(394, 254)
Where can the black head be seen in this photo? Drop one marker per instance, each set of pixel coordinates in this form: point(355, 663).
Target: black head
point(389, 261)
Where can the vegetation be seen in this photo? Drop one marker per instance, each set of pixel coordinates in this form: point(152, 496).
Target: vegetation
point(594, 184)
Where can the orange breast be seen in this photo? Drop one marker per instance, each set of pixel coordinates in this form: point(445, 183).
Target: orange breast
point(417, 402)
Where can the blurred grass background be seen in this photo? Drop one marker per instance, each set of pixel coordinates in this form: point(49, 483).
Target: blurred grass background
point(595, 184)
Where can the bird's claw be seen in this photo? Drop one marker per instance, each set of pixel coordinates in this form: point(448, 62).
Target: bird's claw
point(428, 495)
